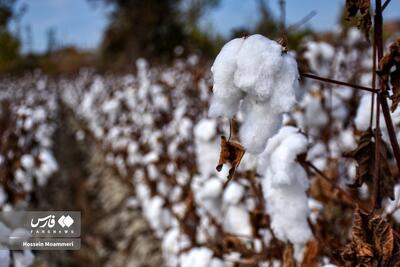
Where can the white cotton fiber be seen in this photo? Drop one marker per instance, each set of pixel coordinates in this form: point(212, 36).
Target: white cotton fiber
point(253, 73)
point(197, 257)
point(284, 184)
point(259, 124)
point(258, 63)
point(226, 96)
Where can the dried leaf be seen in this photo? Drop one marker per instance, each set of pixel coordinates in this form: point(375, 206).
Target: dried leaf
point(389, 68)
point(288, 257)
point(361, 7)
point(310, 258)
point(232, 153)
point(364, 154)
point(383, 237)
point(372, 242)
point(360, 236)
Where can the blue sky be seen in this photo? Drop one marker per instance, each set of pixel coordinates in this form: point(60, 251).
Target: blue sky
point(79, 23)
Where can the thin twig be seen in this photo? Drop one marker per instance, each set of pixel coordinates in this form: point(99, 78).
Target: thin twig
point(327, 80)
point(283, 15)
point(333, 184)
point(385, 4)
point(301, 22)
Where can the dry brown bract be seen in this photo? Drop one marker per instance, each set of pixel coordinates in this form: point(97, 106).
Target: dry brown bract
point(232, 153)
point(364, 20)
point(373, 242)
point(389, 68)
point(364, 155)
point(288, 257)
point(311, 253)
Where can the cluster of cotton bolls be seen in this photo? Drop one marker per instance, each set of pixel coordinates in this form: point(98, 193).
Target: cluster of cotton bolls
point(28, 123)
point(28, 111)
point(153, 127)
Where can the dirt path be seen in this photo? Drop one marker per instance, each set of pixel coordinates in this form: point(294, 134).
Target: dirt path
point(113, 232)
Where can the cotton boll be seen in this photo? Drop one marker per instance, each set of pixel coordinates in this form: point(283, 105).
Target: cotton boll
point(226, 96)
point(286, 85)
point(154, 214)
point(288, 208)
point(224, 106)
point(254, 70)
point(233, 193)
point(284, 184)
point(205, 129)
point(212, 188)
point(318, 54)
point(224, 68)
point(237, 221)
point(312, 107)
point(260, 123)
point(258, 61)
point(347, 141)
point(173, 241)
point(392, 206)
point(215, 262)
point(27, 161)
point(197, 257)
point(363, 116)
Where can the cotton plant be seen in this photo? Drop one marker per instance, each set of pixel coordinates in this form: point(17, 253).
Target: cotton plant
point(28, 111)
point(255, 75)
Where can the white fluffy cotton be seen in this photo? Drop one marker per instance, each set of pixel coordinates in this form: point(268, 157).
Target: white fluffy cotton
point(284, 184)
point(256, 72)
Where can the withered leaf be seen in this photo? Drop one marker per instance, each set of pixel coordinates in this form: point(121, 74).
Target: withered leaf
point(360, 236)
point(288, 257)
point(382, 236)
point(364, 154)
point(388, 62)
point(361, 7)
point(232, 153)
point(310, 258)
point(372, 242)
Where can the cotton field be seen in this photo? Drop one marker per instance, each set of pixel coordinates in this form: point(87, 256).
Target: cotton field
point(292, 196)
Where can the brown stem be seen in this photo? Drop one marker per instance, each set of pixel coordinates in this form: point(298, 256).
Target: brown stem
point(377, 42)
point(373, 82)
point(327, 80)
point(390, 128)
point(378, 36)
